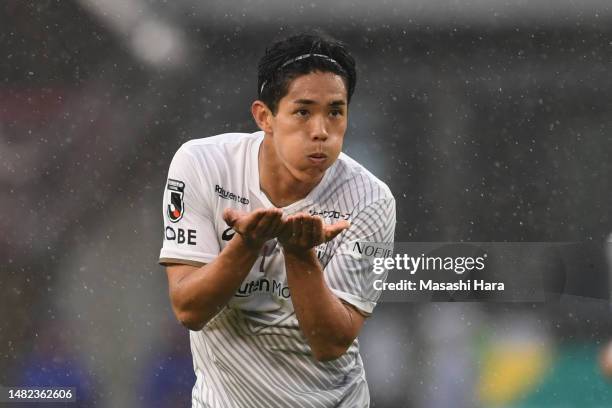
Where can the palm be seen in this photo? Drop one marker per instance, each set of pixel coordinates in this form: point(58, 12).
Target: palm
point(305, 231)
point(256, 227)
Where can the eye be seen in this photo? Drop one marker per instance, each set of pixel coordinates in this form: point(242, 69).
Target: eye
point(301, 112)
point(336, 112)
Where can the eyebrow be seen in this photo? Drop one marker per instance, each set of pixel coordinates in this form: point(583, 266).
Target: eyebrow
point(311, 102)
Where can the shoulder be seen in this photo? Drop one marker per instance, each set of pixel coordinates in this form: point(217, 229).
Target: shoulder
point(234, 143)
point(361, 181)
point(215, 160)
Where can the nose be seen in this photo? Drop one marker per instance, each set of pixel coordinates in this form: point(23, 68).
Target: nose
point(319, 129)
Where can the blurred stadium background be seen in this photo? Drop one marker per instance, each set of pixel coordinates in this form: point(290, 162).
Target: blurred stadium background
point(490, 121)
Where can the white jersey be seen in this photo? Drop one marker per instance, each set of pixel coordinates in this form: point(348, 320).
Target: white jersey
point(253, 354)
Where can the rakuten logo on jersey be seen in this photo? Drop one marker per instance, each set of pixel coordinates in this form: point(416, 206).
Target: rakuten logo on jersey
point(227, 195)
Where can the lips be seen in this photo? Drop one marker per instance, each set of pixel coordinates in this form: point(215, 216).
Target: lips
point(317, 158)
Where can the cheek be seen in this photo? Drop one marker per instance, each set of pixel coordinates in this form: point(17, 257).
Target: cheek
point(290, 149)
point(295, 150)
point(337, 141)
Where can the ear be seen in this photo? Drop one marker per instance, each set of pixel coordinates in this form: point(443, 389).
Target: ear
point(262, 115)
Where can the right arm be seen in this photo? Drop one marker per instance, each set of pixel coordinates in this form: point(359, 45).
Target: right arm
point(197, 294)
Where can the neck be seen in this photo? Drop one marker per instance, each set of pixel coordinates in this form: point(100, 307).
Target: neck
point(275, 179)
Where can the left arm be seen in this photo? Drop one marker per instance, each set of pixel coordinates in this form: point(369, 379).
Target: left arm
point(329, 324)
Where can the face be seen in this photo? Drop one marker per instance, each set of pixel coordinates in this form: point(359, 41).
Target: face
point(309, 126)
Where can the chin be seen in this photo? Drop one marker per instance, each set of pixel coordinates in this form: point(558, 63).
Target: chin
point(310, 175)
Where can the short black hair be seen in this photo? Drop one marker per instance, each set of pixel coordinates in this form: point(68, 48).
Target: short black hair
point(318, 52)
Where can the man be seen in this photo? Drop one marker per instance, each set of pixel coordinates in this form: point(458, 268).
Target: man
point(260, 241)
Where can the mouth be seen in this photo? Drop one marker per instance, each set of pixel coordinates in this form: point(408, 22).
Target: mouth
point(317, 157)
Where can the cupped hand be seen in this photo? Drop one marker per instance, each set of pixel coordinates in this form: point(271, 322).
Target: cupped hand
point(255, 227)
point(302, 231)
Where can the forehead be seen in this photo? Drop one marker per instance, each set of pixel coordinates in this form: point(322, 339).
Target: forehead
point(317, 86)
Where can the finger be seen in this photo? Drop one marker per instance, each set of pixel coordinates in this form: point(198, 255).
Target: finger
point(230, 216)
point(252, 220)
point(318, 231)
point(285, 229)
point(267, 222)
point(262, 224)
point(295, 229)
point(277, 225)
point(331, 231)
point(307, 227)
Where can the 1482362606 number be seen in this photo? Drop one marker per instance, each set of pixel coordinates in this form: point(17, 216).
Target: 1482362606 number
point(34, 393)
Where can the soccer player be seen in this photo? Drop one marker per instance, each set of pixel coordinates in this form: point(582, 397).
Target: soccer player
point(262, 236)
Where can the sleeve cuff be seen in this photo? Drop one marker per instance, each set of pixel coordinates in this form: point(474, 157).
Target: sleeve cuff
point(194, 259)
point(365, 306)
point(166, 261)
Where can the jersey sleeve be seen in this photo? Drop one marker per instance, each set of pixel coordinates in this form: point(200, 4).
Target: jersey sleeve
point(189, 232)
point(349, 273)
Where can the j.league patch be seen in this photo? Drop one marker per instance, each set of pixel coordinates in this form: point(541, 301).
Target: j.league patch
point(176, 207)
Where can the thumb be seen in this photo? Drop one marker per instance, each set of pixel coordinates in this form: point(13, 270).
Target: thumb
point(230, 216)
point(331, 231)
